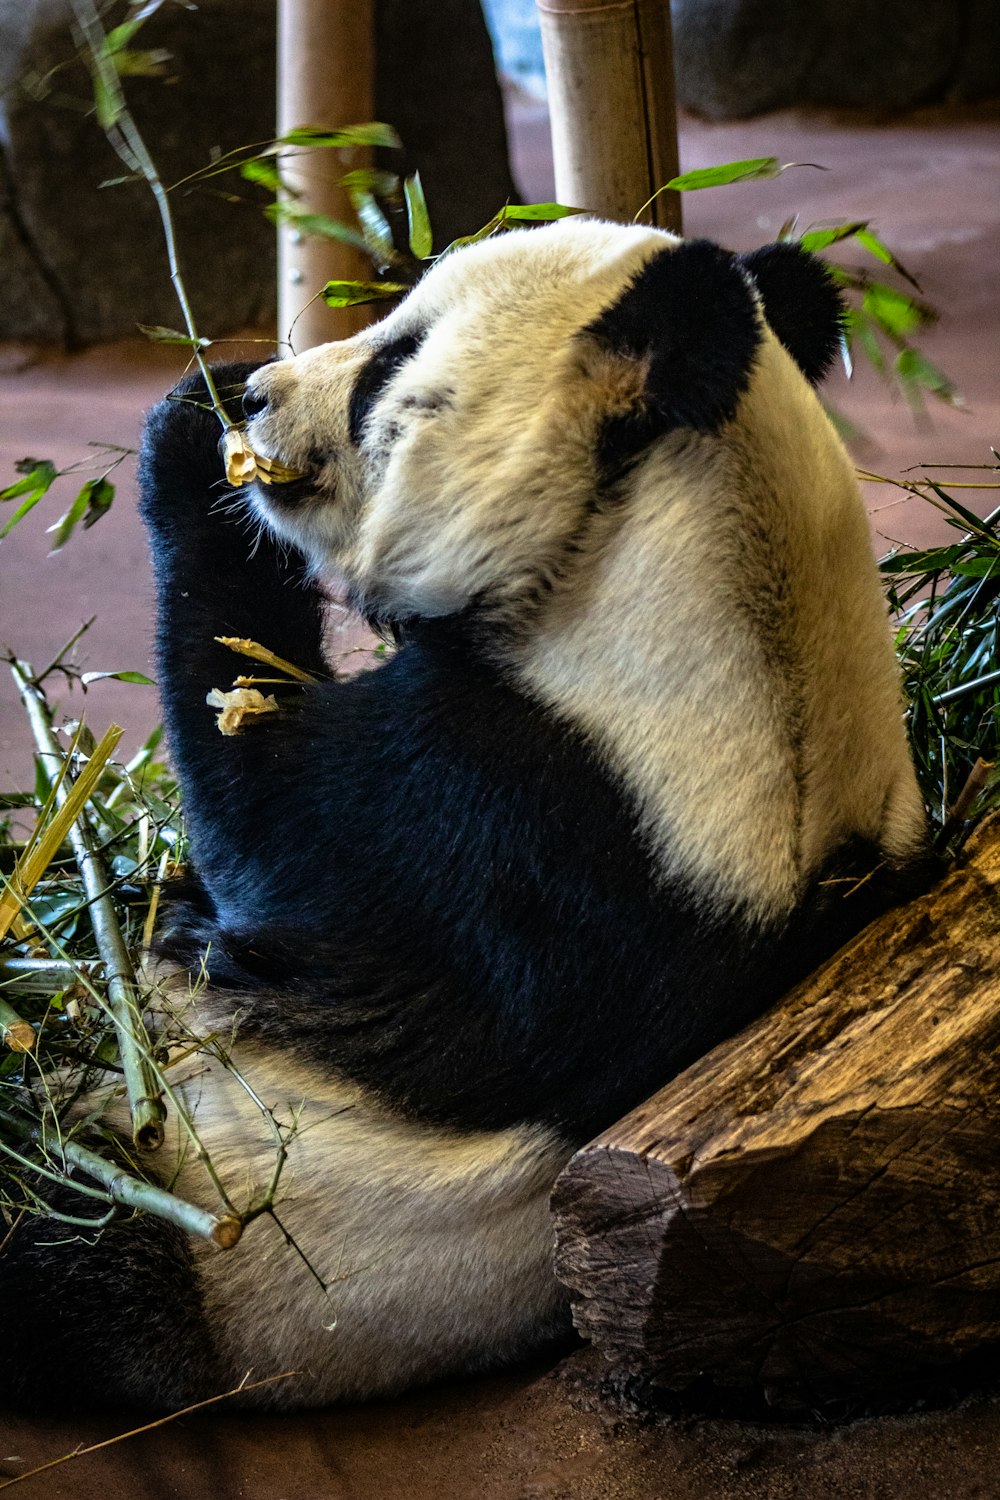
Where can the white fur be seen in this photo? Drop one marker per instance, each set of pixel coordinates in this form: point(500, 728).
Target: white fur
point(723, 640)
point(435, 1246)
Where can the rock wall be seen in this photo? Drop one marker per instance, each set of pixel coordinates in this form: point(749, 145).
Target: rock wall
point(741, 57)
point(736, 58)
point(81, 263)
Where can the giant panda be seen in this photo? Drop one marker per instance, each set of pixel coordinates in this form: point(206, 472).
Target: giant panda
point(636, 764)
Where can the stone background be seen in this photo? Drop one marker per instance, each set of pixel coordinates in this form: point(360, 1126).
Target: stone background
point(83, 263)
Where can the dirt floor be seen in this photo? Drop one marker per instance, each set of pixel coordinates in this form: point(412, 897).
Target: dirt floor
point(930, 185)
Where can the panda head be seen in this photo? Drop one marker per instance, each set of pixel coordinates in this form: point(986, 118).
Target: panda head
point(456, 453)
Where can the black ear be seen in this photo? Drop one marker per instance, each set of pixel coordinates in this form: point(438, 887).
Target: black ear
point(690, 317)
point(801, 303)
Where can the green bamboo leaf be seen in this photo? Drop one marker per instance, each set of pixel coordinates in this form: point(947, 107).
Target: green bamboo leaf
point(895, 313)
point(100, 493)
point(68, 523)
point(418, 219)
point(539, 213)
point(977, 567)
point(372, 134)
point(911, 365)
point(263, 172)
point(22, 510)
point(354, 293)
point(871, 242)
point(815, 240)
point(120, 36)
point(371, 180)
point(109, 100)
point(932, 560)
point(137, 677)
point(752, 169)
point(39, 473)
point(149, 63)
point(473, 239)
point(319, 224)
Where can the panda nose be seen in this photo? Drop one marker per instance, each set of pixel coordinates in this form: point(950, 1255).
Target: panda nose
point(254, 402)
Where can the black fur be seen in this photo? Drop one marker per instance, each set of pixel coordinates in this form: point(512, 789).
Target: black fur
point(417, 876)
point(63, 1347)
point(801, 303)
point(690, 314)
point(377, 372)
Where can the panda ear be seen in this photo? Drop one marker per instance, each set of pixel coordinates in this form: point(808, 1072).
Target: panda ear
point(690, 319)
point(801, 303)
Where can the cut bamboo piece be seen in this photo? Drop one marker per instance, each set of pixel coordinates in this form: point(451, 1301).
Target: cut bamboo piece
point(325, 77)
point(609, 65)
point(813, 1209)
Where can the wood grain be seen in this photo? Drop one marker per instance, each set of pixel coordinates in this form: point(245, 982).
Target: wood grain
point(814, 1208)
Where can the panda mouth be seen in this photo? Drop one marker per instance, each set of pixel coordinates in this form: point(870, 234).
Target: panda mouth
point(246, 465)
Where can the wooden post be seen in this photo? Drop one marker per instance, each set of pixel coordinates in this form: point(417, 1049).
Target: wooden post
point(813, 1210)
point(325, 77)
point(609, 65)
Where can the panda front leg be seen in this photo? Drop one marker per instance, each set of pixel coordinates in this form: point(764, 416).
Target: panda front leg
point(219, 574)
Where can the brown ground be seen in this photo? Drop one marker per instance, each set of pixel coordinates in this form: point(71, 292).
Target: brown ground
point(931, 186)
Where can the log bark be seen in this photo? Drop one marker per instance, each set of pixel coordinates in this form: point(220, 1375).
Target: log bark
point(610, 72)
point(813, 1209)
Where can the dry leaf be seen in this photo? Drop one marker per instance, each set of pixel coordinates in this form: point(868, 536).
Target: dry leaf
point(238, 705)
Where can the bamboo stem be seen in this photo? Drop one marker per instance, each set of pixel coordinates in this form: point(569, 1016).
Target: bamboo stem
point(144, 1091)
point(18, 1034)
point(609, 65)
point(43, 975)
point(325, 77)
point(132, 150)
point(222, 1230)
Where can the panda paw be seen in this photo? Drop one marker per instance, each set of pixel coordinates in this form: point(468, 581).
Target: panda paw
point(180, 459)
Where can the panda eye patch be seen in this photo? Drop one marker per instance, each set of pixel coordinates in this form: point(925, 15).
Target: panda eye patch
point(376, 374)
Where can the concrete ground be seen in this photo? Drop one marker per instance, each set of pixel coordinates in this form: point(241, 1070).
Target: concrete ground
point(930, 186)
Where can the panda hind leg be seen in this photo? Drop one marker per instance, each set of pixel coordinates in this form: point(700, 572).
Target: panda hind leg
point(93, 1318)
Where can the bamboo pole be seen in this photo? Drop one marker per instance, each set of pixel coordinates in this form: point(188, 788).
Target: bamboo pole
point(222, 1230)
point(145, 1103)
point(326, 68)
point(609, 65)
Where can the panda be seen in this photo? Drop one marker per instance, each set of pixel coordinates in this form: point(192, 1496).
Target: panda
point(636, 764)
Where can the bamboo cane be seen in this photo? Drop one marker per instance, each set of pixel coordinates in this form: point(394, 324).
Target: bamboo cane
point(145, 1103)
point(222, 1230)
point(325, 77)
point(609, 65)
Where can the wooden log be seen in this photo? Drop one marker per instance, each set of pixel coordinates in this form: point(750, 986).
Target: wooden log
point(813, 1210)
point(326, 69)
point(609, 66)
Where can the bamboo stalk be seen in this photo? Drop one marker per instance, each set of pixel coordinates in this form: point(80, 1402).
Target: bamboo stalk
point(325, 77)
point(18, 1034)
point(609, 65)
point(222, 1230)
point(43, 975)
point(69, 799)
point(145, 1103)
point(126, 139)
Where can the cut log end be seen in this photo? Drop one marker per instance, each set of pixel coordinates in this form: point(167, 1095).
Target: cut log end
point(814, 1208)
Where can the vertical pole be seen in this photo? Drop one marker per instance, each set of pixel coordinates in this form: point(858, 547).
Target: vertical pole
point(326, 68)
point(610, 71)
